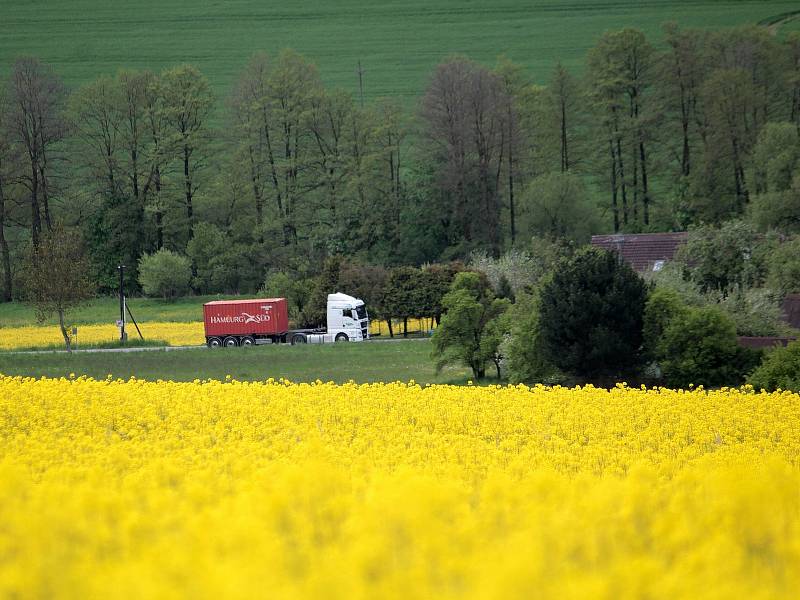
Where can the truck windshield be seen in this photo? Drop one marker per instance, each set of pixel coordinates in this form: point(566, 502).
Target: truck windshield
point(361, 311)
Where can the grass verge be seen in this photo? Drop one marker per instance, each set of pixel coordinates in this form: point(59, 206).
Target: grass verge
point(131, 343)
point(364, 363)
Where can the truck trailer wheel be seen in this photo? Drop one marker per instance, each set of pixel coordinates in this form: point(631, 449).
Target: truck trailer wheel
point(230, 342)
point(247, 341)
point(298, 338)
point(342, 337)
point(214, 342)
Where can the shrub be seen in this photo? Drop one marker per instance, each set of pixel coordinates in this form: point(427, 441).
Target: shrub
point(591, 315)
point(525, 359)
point(784, 268)
point(721, 258)
point(779, 370)
point(754, 310)
point(700, 348)
point(165, 273)
point(662, 307)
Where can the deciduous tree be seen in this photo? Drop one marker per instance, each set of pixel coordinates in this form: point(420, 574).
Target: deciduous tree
point(37, 98)
point(472, 326)
point(185, 103)
point(57, 276)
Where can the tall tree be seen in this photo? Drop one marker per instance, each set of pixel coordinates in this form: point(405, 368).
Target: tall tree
point(139, 166)
point(730, 98)
point(114, 155)
point(96, 118)
point(329, 122)
point(271, 104)
point(514, 136)
point(682, 72)
point(463, 115)
point(754, 50)
point(185, 103)
point(156, 132)
point(564, 97)
point(249, 107)
point(621, 70)
point(7, 159)
point(37, 98)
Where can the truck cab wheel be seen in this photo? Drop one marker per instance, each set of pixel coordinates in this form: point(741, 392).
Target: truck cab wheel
point(298, 338)
point(214, 342)
point(230, 342)
point(247, 341)
point(342, 337)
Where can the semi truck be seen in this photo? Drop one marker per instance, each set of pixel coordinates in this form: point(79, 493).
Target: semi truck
point(231, 323)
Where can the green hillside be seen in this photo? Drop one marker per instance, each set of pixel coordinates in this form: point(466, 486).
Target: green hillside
point(397, 42)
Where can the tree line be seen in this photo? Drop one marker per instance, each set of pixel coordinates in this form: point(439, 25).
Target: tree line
point(283, 173)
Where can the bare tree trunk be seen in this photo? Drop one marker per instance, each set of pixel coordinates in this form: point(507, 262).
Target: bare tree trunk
point(635, 185)
point(686, 154)
point(188, 188)
point(645, 192)
point(158, 213)
point(7, 279)
point(741, 188)
point(614, 205)
point(45, 199)
point(254, 178)
point(36, 219)
point(511, 208)
point(622, 179)
point(271, 158)
point(795, 117)
point(4, 251)
point(64, 330)
point(564, 149)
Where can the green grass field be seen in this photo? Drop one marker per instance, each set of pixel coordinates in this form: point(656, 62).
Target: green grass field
point(398, 42)
point(363, 363)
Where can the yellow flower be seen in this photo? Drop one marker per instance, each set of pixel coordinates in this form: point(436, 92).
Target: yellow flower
point(207, 488)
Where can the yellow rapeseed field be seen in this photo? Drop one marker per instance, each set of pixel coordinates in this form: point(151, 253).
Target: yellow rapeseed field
point(276, 490)
point(173, 334)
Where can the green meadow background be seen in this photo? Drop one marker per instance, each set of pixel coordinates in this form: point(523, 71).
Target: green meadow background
point(397, 42)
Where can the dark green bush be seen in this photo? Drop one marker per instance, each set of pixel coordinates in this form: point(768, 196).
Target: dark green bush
point(779, 370)
point(700, 348)
point(663, 306)
point(591, 316)
point(525, 361)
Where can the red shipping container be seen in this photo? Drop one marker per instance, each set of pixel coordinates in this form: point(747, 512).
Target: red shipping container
point(264, 316)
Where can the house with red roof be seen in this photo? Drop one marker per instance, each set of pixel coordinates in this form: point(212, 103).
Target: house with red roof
point(643, 251)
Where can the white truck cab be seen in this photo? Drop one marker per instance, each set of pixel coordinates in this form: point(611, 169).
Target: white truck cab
point(347, 316)
point(347, 321)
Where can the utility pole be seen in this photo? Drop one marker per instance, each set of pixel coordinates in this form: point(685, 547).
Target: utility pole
point(122, 335)
point(361, 72)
